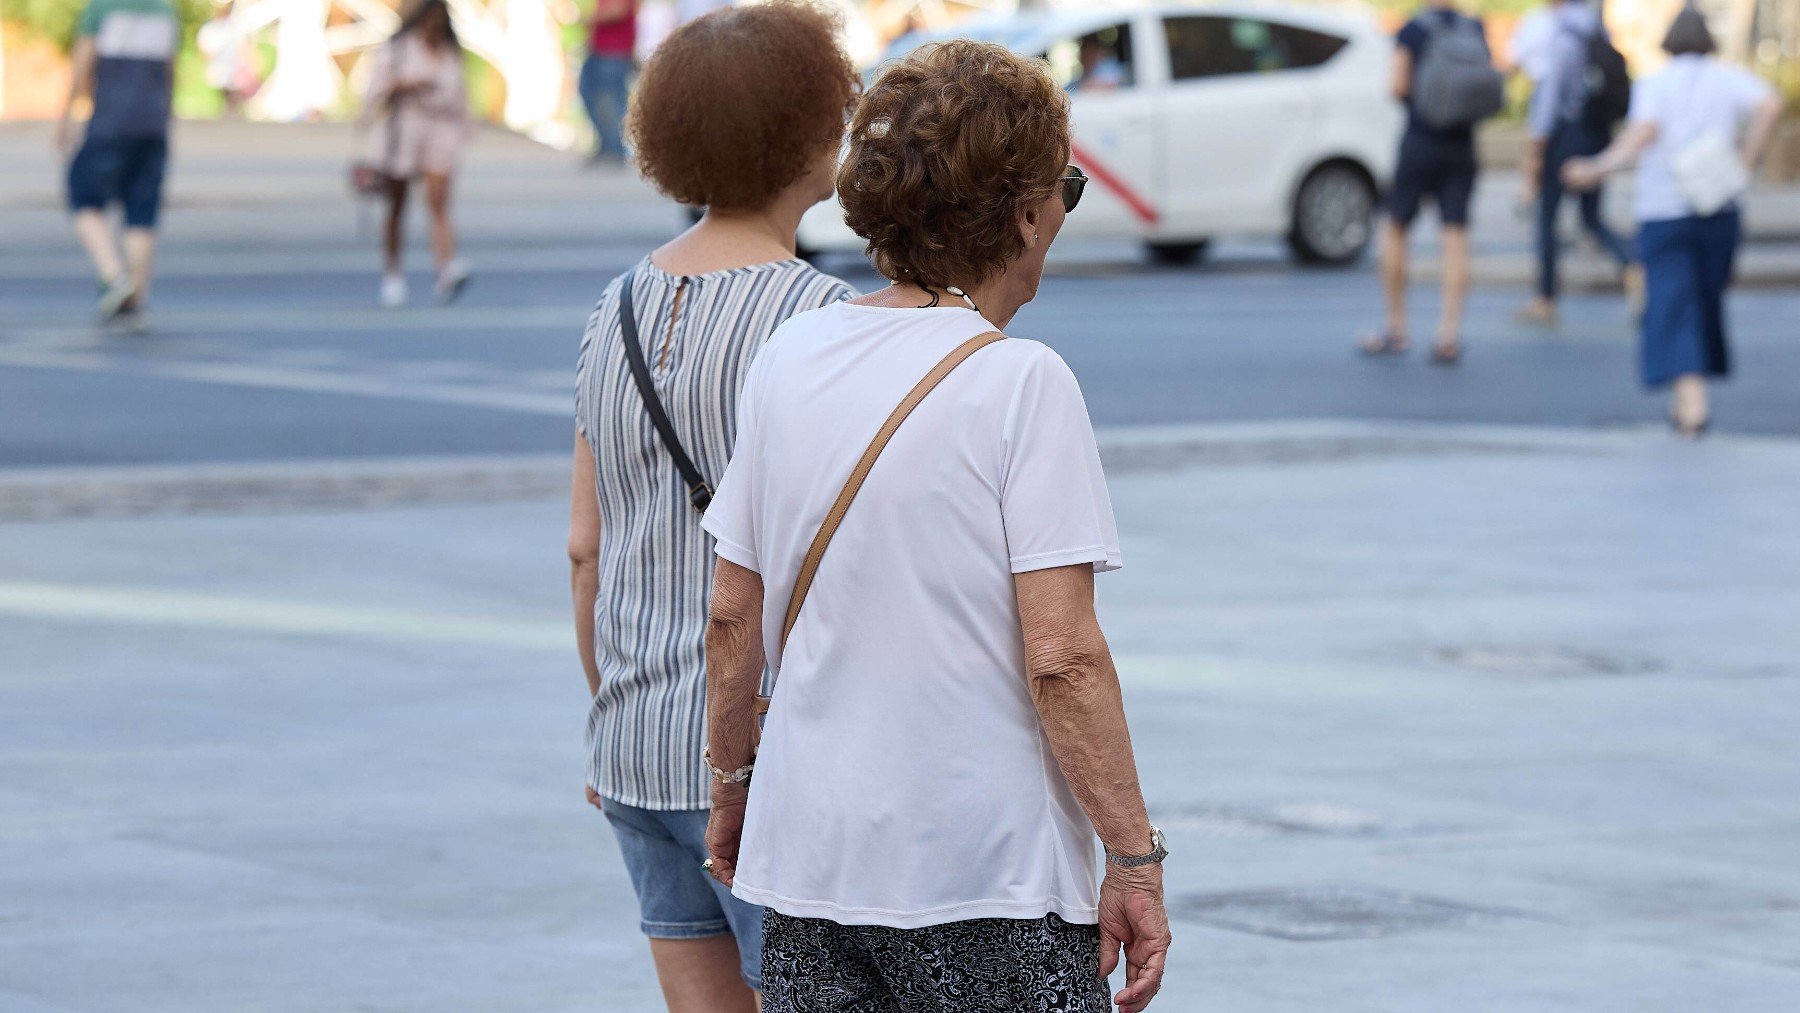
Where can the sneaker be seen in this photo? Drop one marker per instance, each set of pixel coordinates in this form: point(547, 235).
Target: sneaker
point(393, 291)
point(115, 296)
point(452, 279)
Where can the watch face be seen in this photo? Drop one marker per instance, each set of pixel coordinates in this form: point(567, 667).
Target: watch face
point(1157, 842)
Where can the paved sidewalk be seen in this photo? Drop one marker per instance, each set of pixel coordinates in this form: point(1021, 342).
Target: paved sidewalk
point(1438, 718)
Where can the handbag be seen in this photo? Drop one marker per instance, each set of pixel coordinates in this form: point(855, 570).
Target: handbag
point(1709, 173)
point(815, 552)
point(699, 491)
point(375, 179)
point(1708, 170)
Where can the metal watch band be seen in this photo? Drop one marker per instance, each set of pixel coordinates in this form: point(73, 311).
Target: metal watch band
point(1158, 851)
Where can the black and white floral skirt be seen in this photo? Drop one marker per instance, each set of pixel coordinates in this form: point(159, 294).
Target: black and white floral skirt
point(991, 965)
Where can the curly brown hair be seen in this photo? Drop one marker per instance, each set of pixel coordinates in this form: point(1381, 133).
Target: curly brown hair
point(733, 106)
point(945, 150)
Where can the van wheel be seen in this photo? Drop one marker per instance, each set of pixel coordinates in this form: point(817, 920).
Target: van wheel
point(1334, 215)
point(1177, 254)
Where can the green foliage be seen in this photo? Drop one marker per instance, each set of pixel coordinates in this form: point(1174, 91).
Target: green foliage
point(56, 20)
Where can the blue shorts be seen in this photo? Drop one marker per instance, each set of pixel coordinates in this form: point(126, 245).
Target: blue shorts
point(124, 169)
point(1441, 169)
point(663, 850)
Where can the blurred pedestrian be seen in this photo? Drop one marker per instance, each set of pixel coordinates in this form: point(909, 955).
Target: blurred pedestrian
point(1444, 74)
point(1101, 68)
point(741, 111)
point(1574, 108)
point(1530, 46)
point(123, 62)
point(606, 75)
point(917, 845)
point(421, 130)
point(230, 59)
point(1697, 130)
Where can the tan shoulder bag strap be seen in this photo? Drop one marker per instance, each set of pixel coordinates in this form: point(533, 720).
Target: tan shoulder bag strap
point(816, 551)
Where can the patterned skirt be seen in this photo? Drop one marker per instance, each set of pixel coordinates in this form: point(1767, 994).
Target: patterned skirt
point(994, 965)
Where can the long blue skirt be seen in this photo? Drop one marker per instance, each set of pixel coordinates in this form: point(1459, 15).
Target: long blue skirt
point(1687, 266)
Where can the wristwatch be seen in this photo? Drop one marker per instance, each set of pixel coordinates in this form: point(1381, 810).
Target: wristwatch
point(1158, 851)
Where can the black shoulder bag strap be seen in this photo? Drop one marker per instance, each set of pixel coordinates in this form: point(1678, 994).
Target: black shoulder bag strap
point(699, 493)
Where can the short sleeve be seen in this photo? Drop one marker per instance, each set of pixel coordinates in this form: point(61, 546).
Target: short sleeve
point(1747, 91)
point(731, 516)
point(585, 366)
point(1053, 498)
point(1411, 37)
point(1647, 100)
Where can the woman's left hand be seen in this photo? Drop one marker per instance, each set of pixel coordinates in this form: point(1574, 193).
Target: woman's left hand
point(725, 829)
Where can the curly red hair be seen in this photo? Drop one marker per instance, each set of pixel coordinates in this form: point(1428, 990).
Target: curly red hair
point(945, 150)
point(733, 106)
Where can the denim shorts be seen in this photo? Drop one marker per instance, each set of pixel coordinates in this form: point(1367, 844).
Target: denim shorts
point(1443, 170)
point(663, 850)
point(128, 170)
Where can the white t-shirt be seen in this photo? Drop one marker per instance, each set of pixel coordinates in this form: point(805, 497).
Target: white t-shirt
point(903, 777)
point(1691, 96)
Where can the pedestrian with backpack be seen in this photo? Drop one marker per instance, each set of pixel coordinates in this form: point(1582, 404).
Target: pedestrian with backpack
point(1584, 93)
point(1445, 75)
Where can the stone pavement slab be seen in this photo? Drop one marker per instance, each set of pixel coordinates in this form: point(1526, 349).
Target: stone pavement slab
point(1437, 717)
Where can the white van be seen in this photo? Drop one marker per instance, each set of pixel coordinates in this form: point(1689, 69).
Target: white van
point(1196, 122)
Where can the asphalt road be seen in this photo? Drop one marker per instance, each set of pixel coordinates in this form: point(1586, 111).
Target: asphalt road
point(267, 345)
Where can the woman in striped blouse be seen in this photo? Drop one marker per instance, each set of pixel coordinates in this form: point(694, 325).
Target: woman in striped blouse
point(741, 112)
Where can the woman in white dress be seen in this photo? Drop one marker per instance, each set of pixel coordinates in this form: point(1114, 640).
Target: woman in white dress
point(421, 104)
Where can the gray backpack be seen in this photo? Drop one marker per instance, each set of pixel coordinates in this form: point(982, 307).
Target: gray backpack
point(1455, 83)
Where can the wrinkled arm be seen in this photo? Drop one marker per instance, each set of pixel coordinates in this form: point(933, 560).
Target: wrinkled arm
point(584, 557)
point(1076, 690)
point(734, 665)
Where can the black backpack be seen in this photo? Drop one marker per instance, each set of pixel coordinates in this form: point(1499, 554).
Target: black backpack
point(1608, 85)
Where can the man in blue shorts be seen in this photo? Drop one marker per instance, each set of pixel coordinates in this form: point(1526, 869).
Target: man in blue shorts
point(124, 60)
point(1436, 163)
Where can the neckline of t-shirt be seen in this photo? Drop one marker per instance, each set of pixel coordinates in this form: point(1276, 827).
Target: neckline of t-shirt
point(723, 272)
point(865, 307)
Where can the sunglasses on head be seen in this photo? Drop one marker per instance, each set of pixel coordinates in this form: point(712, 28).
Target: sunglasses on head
point(1074, 183)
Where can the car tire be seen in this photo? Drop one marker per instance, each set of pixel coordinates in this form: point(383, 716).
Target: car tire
point(1334, 215)
point(1177, 254)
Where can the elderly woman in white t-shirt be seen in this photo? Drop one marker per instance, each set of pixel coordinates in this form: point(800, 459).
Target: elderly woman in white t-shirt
point(1696, 107)
point(947, 735)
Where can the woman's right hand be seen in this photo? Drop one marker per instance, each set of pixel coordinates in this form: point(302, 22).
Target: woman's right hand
point(1132, 918)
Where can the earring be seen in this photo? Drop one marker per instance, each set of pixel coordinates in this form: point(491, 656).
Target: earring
point(1034, 239)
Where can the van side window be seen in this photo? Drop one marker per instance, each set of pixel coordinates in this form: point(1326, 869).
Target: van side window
point(1206, 46)
point(1098, 61)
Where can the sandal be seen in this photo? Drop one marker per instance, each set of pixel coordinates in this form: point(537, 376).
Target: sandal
point(1386, 342)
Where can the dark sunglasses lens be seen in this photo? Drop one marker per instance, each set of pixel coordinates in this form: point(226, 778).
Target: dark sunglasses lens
point(1073, 187)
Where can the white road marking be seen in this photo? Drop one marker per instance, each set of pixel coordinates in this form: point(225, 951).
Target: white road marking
point(300, 379)
point(240, 614)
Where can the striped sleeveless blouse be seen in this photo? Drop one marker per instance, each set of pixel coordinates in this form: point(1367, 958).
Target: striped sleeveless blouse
point(699, 333)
